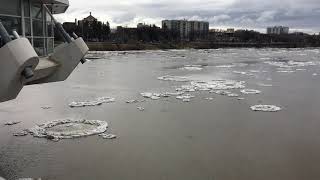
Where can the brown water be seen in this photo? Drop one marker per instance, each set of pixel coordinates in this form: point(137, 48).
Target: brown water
point(215, 140)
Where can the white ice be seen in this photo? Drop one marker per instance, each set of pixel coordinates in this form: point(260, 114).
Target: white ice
point(266, 108)
point(250, 91)
point(98, 101)
point(44, 130)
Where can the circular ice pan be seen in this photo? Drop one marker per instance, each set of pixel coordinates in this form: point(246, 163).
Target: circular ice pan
point(69, 129)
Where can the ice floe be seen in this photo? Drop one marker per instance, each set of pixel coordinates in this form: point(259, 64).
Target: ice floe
point(97, 102)
point(290, 64)
point(140, 108)
point(221, 92)
point(233, 95)
point(265, 85)
point(107, 136)
point(11, 123)
point(185, 98)
point(153, 96)
point(250, 91)
point(21, 133)
point(240, 72)
point(174, 78)
point(243, 73)
point(132, 101)
point(218, 85)
point(209, 98)
point(301, 69)
point(192, 67)
point(226, 66)
point(232, 65)
point(68, 129)
point(254, 71)
point(314, 74)
point(265, 108)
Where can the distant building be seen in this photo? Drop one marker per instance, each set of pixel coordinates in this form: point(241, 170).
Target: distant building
point(90, 19)
point(230, 30)
point(187, 29)
point(278, 30)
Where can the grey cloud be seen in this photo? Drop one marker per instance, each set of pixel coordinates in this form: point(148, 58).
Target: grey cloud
point(257, 14)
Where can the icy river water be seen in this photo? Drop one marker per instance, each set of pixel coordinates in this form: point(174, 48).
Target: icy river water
point(198, 117)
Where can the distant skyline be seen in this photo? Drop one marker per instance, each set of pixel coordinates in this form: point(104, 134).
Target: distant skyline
point(299, 15)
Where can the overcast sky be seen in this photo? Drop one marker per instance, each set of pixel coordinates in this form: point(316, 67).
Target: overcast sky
point(299, 15)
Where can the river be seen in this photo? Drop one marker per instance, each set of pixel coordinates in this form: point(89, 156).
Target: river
point(213, 136)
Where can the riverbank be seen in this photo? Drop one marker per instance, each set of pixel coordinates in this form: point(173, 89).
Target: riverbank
point(107, 46)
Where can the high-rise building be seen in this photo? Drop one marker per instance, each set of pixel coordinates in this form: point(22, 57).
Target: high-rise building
point(278, 30)
point(187, 29)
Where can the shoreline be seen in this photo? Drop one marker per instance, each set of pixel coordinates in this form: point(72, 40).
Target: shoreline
point(107, 46)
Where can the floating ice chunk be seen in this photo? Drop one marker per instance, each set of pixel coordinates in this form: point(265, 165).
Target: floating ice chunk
point(186, 96)
point(222, 92)
point(254, 71)
point(232, 65)
point(12, 123)
point(209, 98)
point(301, 69)
point(153, 96)
point(286, 71)
point(192, 67)
point(265, 85)
point(226, 66)
point(108, 136)
point(186, 88)
point(146, 94)
point(241, 99)
point(140, 108)
point(60, 129)
point(239, 72)
point(218, 84)
point(21, 133)
point(314, 74)
point(233, 95)
point(132, 101)
point(265, 58)
point(46, 107)
point(174, 78)
point(265, 108)
point(178, 93)
point(250, 91)
point(290, 64)
point(98, 101)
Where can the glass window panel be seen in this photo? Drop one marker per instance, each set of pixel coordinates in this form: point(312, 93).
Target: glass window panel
point(1, 43)
point(36, 11)
point(50, 47)
point(27, 26)
point(37, 28)
point(26, 7)
point(50, 28)
point(11, 23)
point(38, 44)
point(48, 17)
point(10, 7)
